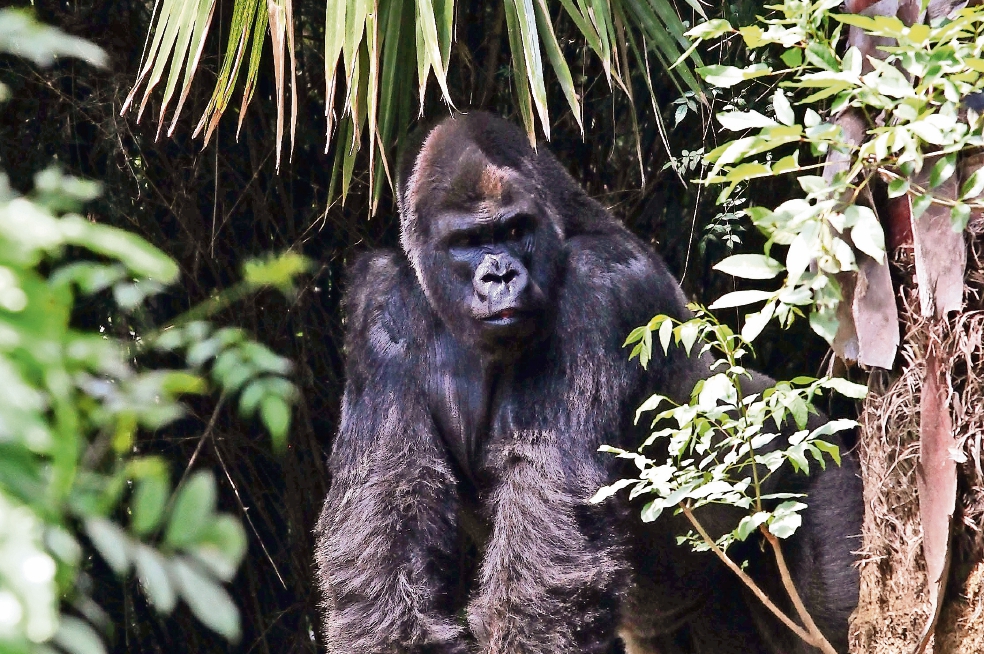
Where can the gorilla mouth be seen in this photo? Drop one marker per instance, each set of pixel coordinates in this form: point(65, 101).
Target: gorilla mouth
point(509, 316)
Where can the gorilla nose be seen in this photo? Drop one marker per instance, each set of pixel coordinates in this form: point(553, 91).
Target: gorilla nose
point(499, 277)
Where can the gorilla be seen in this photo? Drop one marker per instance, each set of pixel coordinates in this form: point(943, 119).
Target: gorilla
point(484, 370)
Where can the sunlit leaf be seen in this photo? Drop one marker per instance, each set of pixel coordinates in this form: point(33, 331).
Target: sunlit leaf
point(750, 266)
point(22, 35)
point(740, 298)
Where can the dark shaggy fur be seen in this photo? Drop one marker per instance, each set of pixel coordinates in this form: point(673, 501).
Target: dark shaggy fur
point(485, 369)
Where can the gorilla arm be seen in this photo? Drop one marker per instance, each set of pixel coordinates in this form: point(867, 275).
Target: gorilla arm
point(389, 517)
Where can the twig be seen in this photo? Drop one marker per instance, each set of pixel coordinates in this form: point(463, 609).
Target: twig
point(245, 511)
point(759, 593)
point(787, 581)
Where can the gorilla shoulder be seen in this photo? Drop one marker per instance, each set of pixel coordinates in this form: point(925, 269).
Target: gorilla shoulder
point(382, 304)
point(621, 280)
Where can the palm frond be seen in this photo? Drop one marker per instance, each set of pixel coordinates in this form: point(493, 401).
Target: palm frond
point(371, 82)
point(178, 36)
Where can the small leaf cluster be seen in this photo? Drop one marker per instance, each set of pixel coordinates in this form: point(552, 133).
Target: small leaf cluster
point(910, 98)
point(724, 444)
point(200, 547)
point(237, 363)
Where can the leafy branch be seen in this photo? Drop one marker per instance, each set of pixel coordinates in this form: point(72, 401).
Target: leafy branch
point(725, 444)
point(915, 124)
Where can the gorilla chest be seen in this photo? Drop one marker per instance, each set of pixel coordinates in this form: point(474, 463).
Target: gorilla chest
point(476, 405)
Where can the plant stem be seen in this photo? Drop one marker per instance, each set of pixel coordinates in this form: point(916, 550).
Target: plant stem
point(787, 582)
point(812, 637)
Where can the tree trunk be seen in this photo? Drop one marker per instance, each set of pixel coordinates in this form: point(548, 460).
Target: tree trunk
point(938, 385)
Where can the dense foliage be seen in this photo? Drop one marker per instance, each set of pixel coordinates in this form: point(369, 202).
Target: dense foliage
point(73, 478)
point(918, 101)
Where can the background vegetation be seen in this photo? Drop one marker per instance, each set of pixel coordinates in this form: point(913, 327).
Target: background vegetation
point(212, 209)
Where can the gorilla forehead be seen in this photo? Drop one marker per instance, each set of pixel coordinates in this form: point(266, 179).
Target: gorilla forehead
point(465, 164)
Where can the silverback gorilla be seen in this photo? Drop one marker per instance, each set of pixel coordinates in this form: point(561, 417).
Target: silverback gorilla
point(484, 370)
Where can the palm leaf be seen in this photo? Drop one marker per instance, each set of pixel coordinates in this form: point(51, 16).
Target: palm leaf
point(247, 18)
point(557, 60)
point(520, 75)
point(369, 45)
point(530, 39)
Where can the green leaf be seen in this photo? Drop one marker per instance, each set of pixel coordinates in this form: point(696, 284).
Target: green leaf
point(973, 186)
point(750, 266)
point(853, 61)
point(740, 120)
point(275, 414)
point(756, 322)
point(149, 502)
point(846, 388)
point(784, 111)
point(264, 358)
point(635, 335)
point(943, 169)
point(750, 523)
point(608, 491)
point(22, 35)
point(959, 216)
point(193, 510)
point(77, 637)
point(792, 57)
point(727, 76)
point(651, 511)
point(222, 547)
point(786, 519)
point(129, 249)
point(520, 78)
point(900, 186)
point(739, 298)
point(927, 132)
point(821, 55)
point(812, 184)
point(824, 323)
point(753, 36)
point(152, 572)
point(866, 233)
point(526, 21)
point(557, 60)
point(830, 449)
point(919, 205)
point(665, 333)
point(651, 404)
point(688, 333)
point(111, 542)
point(279, 271)
point(208, 601)
point(710, 29)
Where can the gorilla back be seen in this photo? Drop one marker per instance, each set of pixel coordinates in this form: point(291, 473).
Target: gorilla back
point(484, 370)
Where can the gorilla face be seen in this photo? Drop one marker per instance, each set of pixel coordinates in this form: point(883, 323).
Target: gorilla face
point(484, 243)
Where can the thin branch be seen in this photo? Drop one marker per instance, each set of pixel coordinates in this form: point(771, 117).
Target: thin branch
point(750, 583)
point(787, 581)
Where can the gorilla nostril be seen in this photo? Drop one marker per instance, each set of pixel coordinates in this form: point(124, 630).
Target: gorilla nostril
point(505, 278)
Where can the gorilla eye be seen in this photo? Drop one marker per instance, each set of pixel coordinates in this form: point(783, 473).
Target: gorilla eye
point(514, 233)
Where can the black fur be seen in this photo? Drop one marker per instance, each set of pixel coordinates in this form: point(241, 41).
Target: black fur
point(484, 371)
